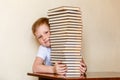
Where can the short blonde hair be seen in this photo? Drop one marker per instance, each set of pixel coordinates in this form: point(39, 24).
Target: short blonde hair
point(40, 21)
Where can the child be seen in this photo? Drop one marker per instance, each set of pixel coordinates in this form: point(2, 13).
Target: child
point(41, 30)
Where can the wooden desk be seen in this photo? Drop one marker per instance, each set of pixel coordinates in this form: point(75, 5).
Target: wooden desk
point(89, 76)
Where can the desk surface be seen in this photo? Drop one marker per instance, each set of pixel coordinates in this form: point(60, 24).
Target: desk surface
point(89, 76)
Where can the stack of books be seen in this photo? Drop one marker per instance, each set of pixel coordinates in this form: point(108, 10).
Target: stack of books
point(66, 37)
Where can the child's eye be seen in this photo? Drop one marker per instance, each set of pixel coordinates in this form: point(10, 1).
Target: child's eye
point(46, 32)
point(39, 37)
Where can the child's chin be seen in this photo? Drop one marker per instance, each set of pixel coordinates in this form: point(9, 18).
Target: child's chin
point(48, 45)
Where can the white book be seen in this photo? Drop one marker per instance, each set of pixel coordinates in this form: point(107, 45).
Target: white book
point(70, 27)
point(67, 20)
point(68, 32)
point(62, 46)
point(58, 51)
point(73, 65)
point(74, 24)
point(65, 54)
point(66, 27)
point(66, 47)
point(66, 40)
point(64, 18)
point(73, 70)
point(73, 75)
point(68, 62)
point(70, 40)
point(77, 45)
point(64, 30)
point(62, 40)
point(61, 59)
point(64, 12)
point(64, 61)
point(67, 35)
point(62, 8)
point(54, 42)
point(66, 43)
point(66, 15)
point(66, 50)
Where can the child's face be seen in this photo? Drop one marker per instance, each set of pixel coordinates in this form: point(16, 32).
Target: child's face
point(43, 35)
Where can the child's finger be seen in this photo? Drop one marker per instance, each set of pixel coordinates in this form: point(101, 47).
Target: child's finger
point(58, 62)
point(83, 65)
point(82, 69)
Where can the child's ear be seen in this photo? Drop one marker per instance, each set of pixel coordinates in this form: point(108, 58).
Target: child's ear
point(37, 41)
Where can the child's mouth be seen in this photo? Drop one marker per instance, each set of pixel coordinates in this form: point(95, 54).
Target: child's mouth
point(47, 41)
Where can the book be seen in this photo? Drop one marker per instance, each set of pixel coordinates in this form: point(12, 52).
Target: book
point(66, 46)
point(66, 26)
point(62, 8)
point(71, 37)
point(66, 59)
point(62, 51)
point(63, 57)
point(69, 63)
point(63, 12)
point(65, 34)
point(65, 54)
point(65, 30)
point(73, 74)
point(65, 21)
point(65, 18)
point(66, 43)
point(63, 46)
point(63, 40)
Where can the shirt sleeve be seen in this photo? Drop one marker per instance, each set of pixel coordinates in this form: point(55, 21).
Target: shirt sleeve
point(42, 52)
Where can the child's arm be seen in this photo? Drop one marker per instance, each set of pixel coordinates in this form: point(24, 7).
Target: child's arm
point(39, 67)
point(58, 68)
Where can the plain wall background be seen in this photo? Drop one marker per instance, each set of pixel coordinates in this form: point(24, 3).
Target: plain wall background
point(101, 35)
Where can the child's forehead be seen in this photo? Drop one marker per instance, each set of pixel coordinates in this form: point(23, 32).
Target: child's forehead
point(41, 29)
point(43, 26)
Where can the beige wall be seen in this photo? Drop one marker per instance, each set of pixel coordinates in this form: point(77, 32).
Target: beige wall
point(101, 46)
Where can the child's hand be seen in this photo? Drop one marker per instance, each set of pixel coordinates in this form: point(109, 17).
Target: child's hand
point(83, 67)
point(60, 68)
